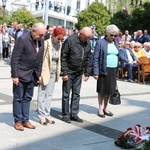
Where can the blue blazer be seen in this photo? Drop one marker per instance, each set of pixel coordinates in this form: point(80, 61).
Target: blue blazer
point(100, 57)
point(124, 57)
point(26, 63)
point(23, 32)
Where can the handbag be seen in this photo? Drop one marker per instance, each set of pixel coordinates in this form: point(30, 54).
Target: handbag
point(115, 98)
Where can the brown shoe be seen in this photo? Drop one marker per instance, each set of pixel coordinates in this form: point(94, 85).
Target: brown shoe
point(50, 121)
point(28, 125)
point(18, 126)
point(43, 122)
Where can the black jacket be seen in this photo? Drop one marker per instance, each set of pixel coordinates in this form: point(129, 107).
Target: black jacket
point(75, 57)
point(26, 62)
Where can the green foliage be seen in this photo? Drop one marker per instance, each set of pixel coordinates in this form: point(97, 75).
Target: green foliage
point(138, 19)
point(122, 20)
point(6, 17)
point(23, 16)
point(146, 16)
point(146, 146)
point(96, 13)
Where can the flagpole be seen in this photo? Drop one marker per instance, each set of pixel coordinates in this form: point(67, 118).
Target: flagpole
point(46, 10)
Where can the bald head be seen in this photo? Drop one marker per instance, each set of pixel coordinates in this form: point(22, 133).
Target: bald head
point(38, 31)
point(40, 27)
point(85, 34)
point(86, 31)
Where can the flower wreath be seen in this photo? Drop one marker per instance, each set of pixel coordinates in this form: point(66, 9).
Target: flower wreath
point(134, 138)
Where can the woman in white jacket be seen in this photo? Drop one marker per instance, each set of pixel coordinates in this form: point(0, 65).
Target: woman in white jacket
point(49, 75)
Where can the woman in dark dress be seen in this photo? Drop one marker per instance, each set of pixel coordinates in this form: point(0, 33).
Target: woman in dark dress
point(105, 65)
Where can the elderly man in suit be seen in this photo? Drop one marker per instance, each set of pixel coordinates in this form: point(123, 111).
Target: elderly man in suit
point(20, 31)
point(128, 60)
point(26, 63)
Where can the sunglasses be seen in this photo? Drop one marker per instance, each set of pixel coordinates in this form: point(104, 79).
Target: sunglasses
point(60, 39)
point(113, 35)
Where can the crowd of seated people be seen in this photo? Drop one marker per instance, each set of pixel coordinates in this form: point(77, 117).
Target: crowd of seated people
point(128, 61)
point(132, 47)
point(128, 58)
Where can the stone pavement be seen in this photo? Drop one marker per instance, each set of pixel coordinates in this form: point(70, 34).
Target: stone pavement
point(94, 134)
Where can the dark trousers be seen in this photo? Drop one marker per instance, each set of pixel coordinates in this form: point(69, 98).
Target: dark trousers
point(74, 82)
point(5, 52)
point(131, 69)
point(22, 95)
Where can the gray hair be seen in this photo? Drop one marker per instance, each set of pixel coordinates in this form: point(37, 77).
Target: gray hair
point(112, 28)
point(35, 27)
point(38, 26)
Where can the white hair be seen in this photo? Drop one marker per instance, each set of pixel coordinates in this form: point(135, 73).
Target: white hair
point(112, 28)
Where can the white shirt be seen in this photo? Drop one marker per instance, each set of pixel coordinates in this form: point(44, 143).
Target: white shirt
point(129, 55)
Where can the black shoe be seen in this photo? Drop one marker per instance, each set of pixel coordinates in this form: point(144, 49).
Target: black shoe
point(125, 80)
point(108, 114)
point(130, 80)
point(76, 118)
point(101, 115)
point(66, 119)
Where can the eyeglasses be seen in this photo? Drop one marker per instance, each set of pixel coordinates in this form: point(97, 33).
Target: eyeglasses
point(113, 35)
point(60, 39)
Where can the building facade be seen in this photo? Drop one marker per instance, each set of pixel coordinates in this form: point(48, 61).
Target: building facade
point(53, 12)
point(62, 12)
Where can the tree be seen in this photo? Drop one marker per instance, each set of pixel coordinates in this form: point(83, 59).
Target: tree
point(96, 13)
point(122, 20)
point(137, 19)
point(7, 18)
point(146, 16)
point(140, 18)
point(23, 16)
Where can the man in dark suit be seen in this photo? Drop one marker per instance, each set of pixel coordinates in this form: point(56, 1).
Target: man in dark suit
point(140, 37)
point(26, 63)
point(128, 60)
point(20, 31)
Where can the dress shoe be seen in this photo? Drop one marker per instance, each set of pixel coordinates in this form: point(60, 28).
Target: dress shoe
point(18, 126)
point(130, 80)
point(76, 118)
point(108, 114)
point(101, 115)
point(66, 119)
point(28, 125)
point(50, 121)
point(42, 122)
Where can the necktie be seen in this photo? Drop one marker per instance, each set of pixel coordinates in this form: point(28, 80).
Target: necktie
point(35, 45)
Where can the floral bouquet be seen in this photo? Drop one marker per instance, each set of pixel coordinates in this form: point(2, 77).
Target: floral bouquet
point(134, 138)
